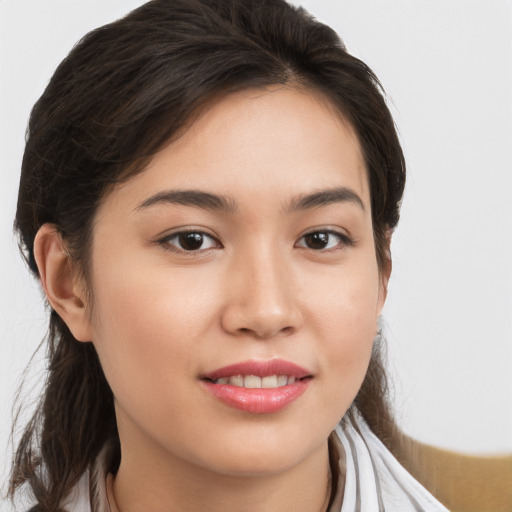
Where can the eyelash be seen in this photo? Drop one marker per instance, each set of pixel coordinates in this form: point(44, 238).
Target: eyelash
point(168, 245)
point(166, 242)
point(343, 239)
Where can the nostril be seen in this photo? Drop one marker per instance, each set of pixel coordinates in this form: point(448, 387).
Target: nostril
point(264, 334)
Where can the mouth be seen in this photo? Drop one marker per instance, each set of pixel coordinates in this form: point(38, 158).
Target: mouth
point(258, 387)
point(255, 382)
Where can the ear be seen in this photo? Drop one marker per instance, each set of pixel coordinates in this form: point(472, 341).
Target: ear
point(60, 281)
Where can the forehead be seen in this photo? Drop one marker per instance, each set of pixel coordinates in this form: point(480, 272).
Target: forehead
point(280, 139)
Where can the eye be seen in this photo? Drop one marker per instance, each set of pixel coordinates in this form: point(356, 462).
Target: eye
point(189, 241)
point(324, 240)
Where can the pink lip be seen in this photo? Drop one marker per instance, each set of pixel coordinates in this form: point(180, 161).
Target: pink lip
point(259, 400)
point(260, 369)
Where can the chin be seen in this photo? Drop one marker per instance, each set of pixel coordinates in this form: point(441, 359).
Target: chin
point(255, 465)
point(261, 454)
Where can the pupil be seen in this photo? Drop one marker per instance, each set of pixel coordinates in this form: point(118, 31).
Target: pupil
point(317, 240)
point(191, 241)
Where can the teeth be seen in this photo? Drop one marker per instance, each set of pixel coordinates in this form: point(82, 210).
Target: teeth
point(237, 380)
point(269, 382)
point(255, 382)
point(282, 380)
point(251, 381)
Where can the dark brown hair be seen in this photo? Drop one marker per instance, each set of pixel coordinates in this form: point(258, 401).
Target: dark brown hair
point(122, 93)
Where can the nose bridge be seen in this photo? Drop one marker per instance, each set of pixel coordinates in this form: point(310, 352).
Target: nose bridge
point(267, 277)
point(261, 298)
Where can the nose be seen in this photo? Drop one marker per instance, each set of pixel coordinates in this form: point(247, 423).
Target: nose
point(261, 297)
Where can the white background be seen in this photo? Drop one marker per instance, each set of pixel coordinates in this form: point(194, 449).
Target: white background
point(447, 68)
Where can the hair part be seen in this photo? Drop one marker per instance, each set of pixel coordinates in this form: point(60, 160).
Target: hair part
point(125, 91)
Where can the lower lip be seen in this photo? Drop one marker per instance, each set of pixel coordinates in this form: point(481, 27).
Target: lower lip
point(258, 400)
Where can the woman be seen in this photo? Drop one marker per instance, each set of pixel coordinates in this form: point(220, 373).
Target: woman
point(208, 194)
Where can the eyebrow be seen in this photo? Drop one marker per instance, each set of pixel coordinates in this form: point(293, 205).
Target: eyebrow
point(325, 198)
point(215, 202)
point(195, 198)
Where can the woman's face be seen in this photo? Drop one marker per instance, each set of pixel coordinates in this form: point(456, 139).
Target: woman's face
point(244, 248)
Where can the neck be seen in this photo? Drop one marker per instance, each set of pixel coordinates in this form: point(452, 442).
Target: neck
point(150, 479)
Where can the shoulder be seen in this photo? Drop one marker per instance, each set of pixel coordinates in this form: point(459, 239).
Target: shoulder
point(376, 479)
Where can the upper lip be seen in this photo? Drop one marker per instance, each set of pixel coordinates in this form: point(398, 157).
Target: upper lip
point(259, 369)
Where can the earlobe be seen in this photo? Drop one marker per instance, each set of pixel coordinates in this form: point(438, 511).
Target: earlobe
point(59, 281)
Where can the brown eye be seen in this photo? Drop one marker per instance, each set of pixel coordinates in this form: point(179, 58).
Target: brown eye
point(190, 241)
point(324, 240)
point(317, 240)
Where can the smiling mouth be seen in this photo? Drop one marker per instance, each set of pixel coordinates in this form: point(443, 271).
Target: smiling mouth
point(258, 387)
point(256, 382)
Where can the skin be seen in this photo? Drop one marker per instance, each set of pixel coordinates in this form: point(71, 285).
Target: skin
point(255, 290)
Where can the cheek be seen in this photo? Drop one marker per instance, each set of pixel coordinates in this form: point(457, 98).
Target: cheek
point(346, 315)
point(147, 328)
point(143, 296)
point(346, 302)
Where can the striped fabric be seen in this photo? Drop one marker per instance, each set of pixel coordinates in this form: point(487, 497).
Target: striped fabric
point(375, 481)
